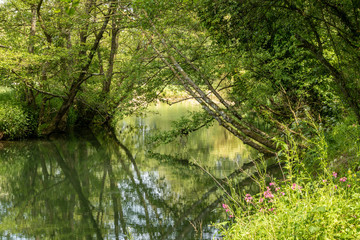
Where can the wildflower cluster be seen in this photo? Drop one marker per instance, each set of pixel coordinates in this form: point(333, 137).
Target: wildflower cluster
point(294, 186)
point(289, 205)
point(248, 198)
point(266, 200)
point(227, 209)
point(342, 179)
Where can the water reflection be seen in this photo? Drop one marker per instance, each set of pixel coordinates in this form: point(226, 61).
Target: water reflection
point(98, 186)
point(87, 187)
point(213, 147)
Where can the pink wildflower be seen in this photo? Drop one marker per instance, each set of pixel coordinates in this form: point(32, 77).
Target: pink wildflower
point(343, 179)
point(283, 193)
point(324, 181)
point(261, 200)
point(277, 189)
point(230, 216)
point(248, 198)
point(335, 187)
point(268, 194)
point(294, 186)
point(334, 174)
point(271, 209)
point(348, 185)
point(271, 184)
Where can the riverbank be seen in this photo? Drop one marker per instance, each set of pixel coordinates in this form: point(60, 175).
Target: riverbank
point(18, 121)
point(323, 208)
point(316, 198)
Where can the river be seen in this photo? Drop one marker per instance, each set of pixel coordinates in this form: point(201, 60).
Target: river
point(91, 185)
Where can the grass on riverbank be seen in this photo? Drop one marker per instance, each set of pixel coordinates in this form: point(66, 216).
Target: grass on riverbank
point(325, 208)
point(318, 197)
point(15, 121)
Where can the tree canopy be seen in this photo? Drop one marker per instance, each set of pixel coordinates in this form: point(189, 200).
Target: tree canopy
point(257, 67)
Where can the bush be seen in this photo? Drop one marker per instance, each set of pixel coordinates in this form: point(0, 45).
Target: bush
point(344, 143)
point(15, 120)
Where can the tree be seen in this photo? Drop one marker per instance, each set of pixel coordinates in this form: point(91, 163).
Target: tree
point(66, 72)
point(286, 61)
point(319, 37)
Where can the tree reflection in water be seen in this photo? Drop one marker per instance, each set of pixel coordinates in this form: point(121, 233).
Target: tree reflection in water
point(92, 187)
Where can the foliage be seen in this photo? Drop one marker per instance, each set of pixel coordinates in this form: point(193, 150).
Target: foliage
point(324, 208)
point(72, 62)
point(310, 202)
point(343, 141)
point(292, 53)
point(15, 120)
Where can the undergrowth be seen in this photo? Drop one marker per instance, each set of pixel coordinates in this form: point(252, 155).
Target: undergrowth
point(16, 121)
point(318, 197)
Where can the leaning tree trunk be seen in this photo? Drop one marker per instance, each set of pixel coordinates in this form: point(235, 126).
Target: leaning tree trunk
point(225, 114)
point(256, 139)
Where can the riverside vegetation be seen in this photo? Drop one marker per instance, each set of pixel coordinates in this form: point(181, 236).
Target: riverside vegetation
point(308, 202)
point(282, 76)
point(16, 121)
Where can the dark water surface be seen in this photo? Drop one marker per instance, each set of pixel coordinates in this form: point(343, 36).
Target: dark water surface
point(96, 186)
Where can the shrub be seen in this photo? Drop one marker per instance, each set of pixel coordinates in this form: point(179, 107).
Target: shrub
point(15, 120)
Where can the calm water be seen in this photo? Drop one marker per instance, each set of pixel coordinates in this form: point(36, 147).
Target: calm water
point(96, 186)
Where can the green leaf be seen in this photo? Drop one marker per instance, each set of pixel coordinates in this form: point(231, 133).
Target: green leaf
point(70, 11)
point(313, 229)
point(320, 209)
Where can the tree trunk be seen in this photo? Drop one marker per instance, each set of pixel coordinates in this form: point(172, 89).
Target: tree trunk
point(75, 86)
point(114, 47)
point(229, 119)
point(30, 99)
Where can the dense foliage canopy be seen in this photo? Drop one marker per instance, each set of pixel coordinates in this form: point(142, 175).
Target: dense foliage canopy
point(257, 67)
